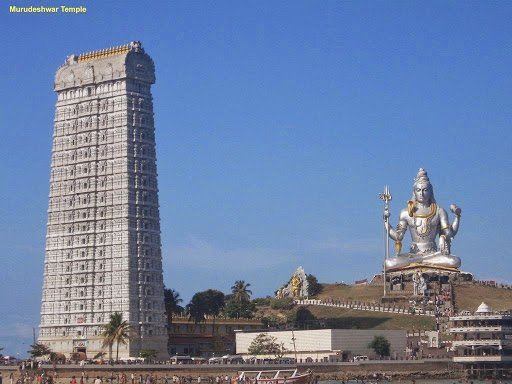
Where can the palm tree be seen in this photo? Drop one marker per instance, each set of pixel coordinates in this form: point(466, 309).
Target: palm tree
point(117, 331)
point(172, 302)
point(241, 294)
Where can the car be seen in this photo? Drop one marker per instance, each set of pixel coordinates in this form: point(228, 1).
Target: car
point(235, 359)
point(252, 360)
point(286, 360)
point(214, 360)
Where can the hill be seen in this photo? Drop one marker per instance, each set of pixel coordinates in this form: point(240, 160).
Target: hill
point(466, 298)
point(366, 293)
point(355, 319)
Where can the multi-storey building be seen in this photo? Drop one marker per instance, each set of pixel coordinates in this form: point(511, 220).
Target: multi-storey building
point(103, 251)
point(482, 336)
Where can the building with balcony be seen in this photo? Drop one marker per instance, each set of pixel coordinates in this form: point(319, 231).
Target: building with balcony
point(482, 340)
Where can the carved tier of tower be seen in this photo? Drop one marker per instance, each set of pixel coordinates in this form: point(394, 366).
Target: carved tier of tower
point(103, 251)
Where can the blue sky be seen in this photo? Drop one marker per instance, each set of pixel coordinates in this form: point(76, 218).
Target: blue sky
point(278, 123)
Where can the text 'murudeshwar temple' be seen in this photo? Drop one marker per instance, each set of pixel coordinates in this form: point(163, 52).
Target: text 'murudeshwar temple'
point(103, 251)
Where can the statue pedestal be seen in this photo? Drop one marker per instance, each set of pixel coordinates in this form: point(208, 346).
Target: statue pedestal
point(428, 286)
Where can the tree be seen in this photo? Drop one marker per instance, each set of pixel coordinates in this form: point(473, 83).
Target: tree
point(39, 350)
point(282, 303)
point(380, 345)
point(204, 303)
point(172, 302)
point(314, 287)
point(240, 294)
point(301, 317)
point(149, 354)
point(117, 331)
point(264, 344)
point(233, 310)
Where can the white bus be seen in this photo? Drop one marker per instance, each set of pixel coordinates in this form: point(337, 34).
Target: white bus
point(181, 360)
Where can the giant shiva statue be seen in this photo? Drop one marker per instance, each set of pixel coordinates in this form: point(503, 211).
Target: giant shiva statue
point(426, 220)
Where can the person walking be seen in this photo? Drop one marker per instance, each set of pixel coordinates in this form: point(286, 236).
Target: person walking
point(98, 380)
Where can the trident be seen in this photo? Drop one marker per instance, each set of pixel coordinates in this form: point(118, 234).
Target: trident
point(386, 197)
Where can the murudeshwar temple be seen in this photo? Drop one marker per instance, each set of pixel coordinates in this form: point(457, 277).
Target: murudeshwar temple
point(103, 252)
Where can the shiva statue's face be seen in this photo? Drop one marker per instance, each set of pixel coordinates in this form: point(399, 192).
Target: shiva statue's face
point(423, 193)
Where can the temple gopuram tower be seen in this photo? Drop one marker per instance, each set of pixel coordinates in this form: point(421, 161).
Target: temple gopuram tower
point(103, 253)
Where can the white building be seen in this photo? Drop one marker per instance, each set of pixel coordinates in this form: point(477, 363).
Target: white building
point(103, 237)
point(322, 343)
point(483, 336)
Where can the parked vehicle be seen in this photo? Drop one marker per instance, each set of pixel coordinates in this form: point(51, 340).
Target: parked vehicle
point(285, 360)
point(233, 359)
point(215, 360)
point(181, 360)
point(198, 360)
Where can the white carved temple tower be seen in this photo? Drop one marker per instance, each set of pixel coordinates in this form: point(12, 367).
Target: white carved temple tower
point(103, 250)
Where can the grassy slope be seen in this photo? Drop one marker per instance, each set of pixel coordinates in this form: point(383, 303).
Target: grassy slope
point(470, 297)
point(349, 318)
point(466, 298)
point(367, 293)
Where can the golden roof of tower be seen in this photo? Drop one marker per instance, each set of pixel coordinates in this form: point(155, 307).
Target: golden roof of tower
point(99, 54)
